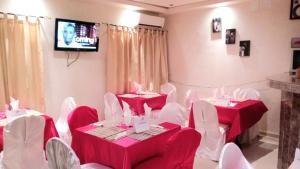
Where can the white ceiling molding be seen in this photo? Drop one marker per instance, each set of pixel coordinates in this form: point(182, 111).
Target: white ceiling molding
point(167, 3)
point(203, 4)
point(129, 5)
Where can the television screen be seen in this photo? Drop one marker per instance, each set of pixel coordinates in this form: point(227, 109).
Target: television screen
point(71, 35)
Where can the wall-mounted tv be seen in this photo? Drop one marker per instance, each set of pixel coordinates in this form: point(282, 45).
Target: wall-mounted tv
point(72, 35)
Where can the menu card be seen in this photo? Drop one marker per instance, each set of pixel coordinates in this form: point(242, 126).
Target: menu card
point(140, 124)
point(104, 132)
point(147, 134)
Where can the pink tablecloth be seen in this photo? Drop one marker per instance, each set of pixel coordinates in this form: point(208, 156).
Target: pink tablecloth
point(137, 103)
point(49, 131)
point(239, 118)
point(119, 154)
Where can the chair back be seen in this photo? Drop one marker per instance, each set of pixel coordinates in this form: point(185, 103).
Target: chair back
point(232, 158)
point(190, 97)
point(178, 156)
point(172, 113)
point(136, 88)
point(60, 155)
point(250, 93)
point(170, 90)
point(167, 88)
point(23, 143)
point(82, 116)
point(111, 105)
point(206, 122)
point(67, 106)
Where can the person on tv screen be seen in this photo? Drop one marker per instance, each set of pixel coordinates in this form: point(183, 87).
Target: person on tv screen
point(69, 34)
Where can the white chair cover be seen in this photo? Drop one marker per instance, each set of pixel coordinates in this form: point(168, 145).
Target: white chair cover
point(170, 90)
point(213, 134)
point(136, 88)
point(232, 158)
point(236, 94)
point(219, 92)
point(61, 156)
point(252, 133)
point(23, 143)
point(190, 97)
point(112, 107)
point(61, 125)
point(173, 113)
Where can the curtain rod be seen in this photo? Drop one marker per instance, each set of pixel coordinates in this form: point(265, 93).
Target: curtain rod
point(44, 17)
point(148, 27)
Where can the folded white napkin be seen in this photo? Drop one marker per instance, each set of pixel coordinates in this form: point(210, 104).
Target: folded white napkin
point(14, 104)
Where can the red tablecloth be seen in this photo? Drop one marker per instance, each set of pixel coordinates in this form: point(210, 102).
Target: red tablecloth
point(118, 154)
point(137, 103)
point(49, 131)
point(239, 118)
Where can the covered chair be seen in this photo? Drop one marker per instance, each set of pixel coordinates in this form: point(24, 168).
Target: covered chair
point(173, 113)
point(190, 97)
point(61, 125)
point(175, 155)
point(112, 106)
point(252, 133)
point(61, 156)
point(170, 91)
point(82, 116)
point(23, 143)
point(213, 134)
point(232, 158)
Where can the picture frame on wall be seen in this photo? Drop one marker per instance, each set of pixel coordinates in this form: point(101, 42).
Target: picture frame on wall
point(216, 25)
point(295, 42)
point(230, 36)
point(295, 9)
point(245, 48)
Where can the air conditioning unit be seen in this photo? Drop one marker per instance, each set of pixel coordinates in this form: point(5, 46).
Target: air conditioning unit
point(150, 20)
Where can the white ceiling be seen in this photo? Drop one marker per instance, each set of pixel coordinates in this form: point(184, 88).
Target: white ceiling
point(168, 3)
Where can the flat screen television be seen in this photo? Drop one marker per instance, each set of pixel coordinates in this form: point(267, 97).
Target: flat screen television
point(296, 59)
point(72, 35)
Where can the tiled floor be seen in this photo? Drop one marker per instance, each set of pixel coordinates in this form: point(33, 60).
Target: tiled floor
point(262, 155)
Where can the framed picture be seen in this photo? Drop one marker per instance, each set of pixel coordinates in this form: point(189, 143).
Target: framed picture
point(295, 43)
point(230, 36)
point(295, 9)
point(217, 25)
point(245, 48)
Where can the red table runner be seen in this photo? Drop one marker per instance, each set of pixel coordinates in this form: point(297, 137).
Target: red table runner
point(239, 118)
point(49, 131)
point(137, 103)
point(118, 154)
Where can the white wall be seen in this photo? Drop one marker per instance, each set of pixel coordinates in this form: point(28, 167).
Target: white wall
point(85, 79)
point(201, 60)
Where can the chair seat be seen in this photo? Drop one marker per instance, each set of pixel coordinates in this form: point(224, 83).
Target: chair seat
point(94, 166)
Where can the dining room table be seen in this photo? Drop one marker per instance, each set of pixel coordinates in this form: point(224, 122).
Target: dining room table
point(136, 101)
point(102, 144)
point(49, 130)
point(239, 116)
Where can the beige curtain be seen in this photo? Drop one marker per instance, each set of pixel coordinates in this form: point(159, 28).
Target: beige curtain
point(21, 63)
point(136, 55)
